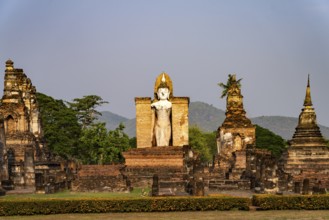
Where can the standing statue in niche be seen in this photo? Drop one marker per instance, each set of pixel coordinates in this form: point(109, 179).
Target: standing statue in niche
point(162, 108)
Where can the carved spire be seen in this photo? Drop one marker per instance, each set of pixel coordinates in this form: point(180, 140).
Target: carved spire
point(308, 100)
point(307, 131)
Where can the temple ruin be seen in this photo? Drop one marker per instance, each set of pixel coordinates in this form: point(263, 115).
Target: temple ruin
point(239, 165)
point(305, 164)
point(24, 156)
point(163, 159)
point(235, 134)
point(169, 165)
point(302, 168)
point(22, 127)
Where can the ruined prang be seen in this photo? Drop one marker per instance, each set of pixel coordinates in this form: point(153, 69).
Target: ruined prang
point(234, 134)
point(23, 136)
point(239, 164)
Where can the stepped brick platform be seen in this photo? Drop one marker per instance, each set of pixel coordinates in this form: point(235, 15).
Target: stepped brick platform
point(171, 164)
point(156, 157)
point(104, 170)
point(224, 184)
point(309, 168)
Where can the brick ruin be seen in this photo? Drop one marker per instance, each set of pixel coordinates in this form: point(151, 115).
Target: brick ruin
point(239, 165)
point(170, 165)
point(167, 170)
point(101, 178)
point(302, 168)
point(24, 156)
point(235, 134)
point(304, 165)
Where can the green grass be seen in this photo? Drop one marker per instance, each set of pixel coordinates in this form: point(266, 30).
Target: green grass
point(136, 193)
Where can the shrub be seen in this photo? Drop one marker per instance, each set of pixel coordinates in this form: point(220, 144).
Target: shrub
point(297, 202)
point(61, 206)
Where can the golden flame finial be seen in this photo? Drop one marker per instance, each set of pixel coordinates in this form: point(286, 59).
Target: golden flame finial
point(163, 78)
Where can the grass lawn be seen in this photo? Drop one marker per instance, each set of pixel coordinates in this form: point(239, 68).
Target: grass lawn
point(136, 193)
point(212, 215)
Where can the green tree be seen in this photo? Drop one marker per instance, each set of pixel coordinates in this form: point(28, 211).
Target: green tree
point(211, 141)
point(99, 146)
point(93, 144)
point(85, 108)
point(60, 126)
point(203, 143)
point(71, 132)
point(266, 139)
point(228, 84)
point(119, 142)
point(133, 142)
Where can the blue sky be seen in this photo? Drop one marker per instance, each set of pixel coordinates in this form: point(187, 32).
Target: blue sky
point(116, 49)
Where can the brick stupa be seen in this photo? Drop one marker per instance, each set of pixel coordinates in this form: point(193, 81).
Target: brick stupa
point(306, 161)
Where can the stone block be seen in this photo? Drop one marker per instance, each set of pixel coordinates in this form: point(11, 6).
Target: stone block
point(143, 122)
point(180, 121)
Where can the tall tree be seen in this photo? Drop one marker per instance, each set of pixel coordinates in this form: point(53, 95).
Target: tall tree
point(119, 142)
point(99, 146)
point(203, 143)
point(228, 84)
point(85, 108)
point(93, 144)
point(266, 139)
point(133, 142)
point(71, 132)
point(60, 126)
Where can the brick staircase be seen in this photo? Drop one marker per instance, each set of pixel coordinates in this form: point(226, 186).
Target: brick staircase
point(218, 184)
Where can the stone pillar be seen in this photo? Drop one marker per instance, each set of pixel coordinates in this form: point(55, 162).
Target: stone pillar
point(29, 177)
point(3, 161)
point(143, 122)
point(155, 185)
point(199, 188)
point(180, 121)
point(240, 160)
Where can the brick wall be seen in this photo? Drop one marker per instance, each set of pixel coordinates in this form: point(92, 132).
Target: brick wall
point(100, 178)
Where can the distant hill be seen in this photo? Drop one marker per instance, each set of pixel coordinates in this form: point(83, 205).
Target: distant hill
point(112, 120)
point(283, 126)
point(209, 118)
point(205, 116)
point(130, 127)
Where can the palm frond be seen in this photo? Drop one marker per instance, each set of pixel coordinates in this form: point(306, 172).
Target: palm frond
point(228, 84)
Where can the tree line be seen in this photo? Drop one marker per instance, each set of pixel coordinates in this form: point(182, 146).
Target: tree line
point(71, 131)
